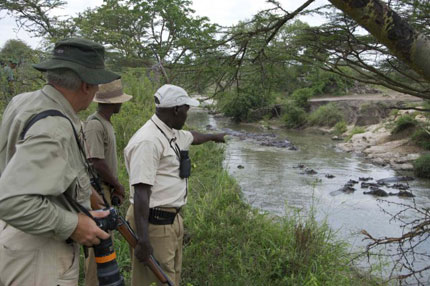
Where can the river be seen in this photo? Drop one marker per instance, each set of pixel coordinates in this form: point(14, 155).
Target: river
point(270, 181)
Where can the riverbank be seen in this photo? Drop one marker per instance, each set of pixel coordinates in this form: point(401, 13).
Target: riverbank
point(230, 243)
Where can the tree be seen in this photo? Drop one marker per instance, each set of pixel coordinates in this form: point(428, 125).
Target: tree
point(160, 32)
point(34, 17)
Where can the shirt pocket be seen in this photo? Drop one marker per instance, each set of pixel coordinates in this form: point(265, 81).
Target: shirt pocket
point(83, 187)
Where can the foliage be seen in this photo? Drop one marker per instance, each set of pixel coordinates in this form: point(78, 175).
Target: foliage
point(238, 105)
point(422, 166)
point(17, 51)
point(421, 138)
point(301, 96)
point(149, 33)
point(340, 127)
point(323, 82)
point(326, 115)
point(294, 116)
point(404, 122)
point(355, 130)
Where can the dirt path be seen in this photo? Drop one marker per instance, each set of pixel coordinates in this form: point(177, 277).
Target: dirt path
point(384, 96)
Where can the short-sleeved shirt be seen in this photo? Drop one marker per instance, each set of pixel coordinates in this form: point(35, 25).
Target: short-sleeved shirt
point(150, 159)
point(37, 170)
point(100, 141)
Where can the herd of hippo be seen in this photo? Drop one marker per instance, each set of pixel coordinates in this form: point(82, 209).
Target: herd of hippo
point(264, 139)
point(374, 188)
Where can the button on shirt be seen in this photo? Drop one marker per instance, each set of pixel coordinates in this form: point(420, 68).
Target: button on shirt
point(150, 159)
point(35, 171)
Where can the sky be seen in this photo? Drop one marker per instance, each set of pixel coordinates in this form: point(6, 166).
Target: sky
point(223, 12)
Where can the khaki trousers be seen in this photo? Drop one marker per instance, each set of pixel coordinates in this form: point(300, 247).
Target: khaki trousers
point(32, 260)
point(90, 262)
point(166, 241)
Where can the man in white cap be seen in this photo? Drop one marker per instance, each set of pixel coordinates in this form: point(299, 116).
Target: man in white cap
point(101, 151)
point(157, 162)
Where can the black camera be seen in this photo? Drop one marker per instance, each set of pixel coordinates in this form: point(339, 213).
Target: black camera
point(184, 165)
point(107, 267)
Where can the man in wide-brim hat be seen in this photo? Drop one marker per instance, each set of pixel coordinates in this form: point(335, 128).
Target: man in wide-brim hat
point(44, 174)
point(101, 147)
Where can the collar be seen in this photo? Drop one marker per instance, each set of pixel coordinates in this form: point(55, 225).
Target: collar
point(170, 132)
point(66, 107)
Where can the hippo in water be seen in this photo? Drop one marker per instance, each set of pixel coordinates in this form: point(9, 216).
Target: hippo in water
point(377, 192)
point(394, 180)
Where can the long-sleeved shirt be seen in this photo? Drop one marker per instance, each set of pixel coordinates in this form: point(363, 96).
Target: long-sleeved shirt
point(36, 171)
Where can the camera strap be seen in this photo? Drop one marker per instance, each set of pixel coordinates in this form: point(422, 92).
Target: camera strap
point(177, 150)
point(53, 112)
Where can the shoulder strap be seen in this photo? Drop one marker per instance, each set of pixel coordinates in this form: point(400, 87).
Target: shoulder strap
point(39, 116)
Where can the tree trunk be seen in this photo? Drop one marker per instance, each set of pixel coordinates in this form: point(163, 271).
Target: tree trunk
point(389, 29)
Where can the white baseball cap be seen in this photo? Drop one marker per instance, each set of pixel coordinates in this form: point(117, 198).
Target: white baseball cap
point(170, 95)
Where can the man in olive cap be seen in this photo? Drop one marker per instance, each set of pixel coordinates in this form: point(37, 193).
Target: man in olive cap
point(101, 146)
point(44, 177)
point(157, 162)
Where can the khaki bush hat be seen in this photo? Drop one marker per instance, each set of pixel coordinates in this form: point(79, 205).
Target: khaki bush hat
point(84, 57)
point(170, 95)
point(111, 93)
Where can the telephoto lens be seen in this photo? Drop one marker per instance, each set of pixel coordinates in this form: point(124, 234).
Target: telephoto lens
point(107, 267)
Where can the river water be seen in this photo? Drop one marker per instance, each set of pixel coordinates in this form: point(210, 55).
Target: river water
point(270, 181)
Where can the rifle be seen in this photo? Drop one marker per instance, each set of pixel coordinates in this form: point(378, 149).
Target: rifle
point(130, 236)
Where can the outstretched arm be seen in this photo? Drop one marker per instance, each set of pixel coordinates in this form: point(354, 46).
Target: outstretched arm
point(200, 138)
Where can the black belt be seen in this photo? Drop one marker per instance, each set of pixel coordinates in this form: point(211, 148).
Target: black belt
point(160, 217)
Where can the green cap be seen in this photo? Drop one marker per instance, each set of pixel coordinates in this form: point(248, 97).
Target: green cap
point(84, 57)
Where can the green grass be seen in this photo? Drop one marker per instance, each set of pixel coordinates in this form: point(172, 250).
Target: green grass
point(404, 122)
point(355, 130)
point(422, 166)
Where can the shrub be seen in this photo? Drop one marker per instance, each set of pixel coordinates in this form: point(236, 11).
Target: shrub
point(301, 96)
point(422, 166)
point(355, 130)
point(294, 116)
point(340, 127)
point(238, 105)
point(326, 115)
point(404, 122)
point(422, 138)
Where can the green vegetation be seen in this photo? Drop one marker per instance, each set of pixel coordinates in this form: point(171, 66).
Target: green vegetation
point(301, 96)
point(355, 130)
point(326, 115)
point(404, 122)
point(422, 166)
point(294, 116)
point(421, 138)
point(340, 127)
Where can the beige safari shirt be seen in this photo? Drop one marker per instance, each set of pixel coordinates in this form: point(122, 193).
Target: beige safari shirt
point(100, 141)
point(150, 160)
point(36, 171)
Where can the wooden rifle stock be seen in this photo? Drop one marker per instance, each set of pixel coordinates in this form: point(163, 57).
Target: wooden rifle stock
point(127, 232)
point(129, 235)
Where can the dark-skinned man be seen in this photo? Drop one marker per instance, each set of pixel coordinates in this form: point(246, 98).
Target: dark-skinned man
point(101, 151)
point(158, 169)
point(44, 174)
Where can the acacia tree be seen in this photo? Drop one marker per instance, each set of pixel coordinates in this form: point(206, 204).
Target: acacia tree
point(164, 32)
point(35, 17)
